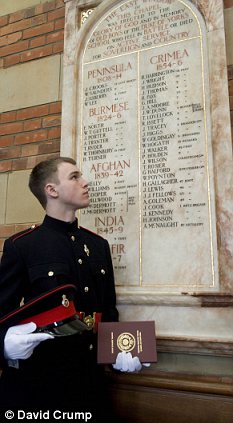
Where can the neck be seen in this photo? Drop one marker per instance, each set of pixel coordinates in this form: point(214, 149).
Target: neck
point(64, 215)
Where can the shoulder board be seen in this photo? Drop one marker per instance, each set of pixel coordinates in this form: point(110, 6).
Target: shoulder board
point(25, 232)
point(90, 232)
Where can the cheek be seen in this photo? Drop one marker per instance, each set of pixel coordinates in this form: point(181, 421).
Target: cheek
point(75, 191)
point(67, 193)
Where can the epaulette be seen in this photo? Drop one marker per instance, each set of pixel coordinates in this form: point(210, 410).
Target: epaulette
point(25, 232)
point(88, 230)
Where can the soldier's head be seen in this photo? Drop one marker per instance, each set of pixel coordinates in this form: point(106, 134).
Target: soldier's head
point(46, 174)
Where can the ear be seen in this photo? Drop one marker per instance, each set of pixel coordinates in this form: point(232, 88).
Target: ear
point(50, 190)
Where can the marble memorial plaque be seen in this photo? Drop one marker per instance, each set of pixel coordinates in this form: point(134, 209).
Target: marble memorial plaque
point(145, 144)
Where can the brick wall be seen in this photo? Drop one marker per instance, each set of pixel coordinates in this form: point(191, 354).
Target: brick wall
point(228, 4)
point(32, 33)
point(31, 134)
point(28, 135)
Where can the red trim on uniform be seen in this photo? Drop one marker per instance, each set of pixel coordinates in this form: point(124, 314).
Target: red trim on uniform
point(24, 233)
point(57, 314)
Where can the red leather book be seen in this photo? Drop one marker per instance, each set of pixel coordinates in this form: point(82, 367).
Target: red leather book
point(139, 338)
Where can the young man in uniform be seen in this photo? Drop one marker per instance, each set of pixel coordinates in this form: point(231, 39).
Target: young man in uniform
point(43, 371)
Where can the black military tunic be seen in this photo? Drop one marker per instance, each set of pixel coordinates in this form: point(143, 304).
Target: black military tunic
point(61, 373)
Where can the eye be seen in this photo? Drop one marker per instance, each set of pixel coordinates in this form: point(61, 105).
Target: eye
point(76, 175)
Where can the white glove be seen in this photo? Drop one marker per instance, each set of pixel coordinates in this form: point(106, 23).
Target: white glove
point(20, 342)
point(126, 363)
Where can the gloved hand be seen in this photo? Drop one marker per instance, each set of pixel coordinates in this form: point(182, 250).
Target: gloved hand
point(126, 363)
point(20, 342)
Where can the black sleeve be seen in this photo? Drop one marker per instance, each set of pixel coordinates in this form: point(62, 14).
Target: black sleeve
point(110, 311)
point(12, 279)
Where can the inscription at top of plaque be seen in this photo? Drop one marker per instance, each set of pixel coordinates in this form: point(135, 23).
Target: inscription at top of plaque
point(137, 25)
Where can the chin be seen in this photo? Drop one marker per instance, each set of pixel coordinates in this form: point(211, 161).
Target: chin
point(85, 205)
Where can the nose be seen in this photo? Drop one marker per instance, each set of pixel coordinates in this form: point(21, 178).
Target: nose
point(84, 183)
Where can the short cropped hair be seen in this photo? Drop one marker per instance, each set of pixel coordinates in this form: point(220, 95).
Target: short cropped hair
point(44, 172)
